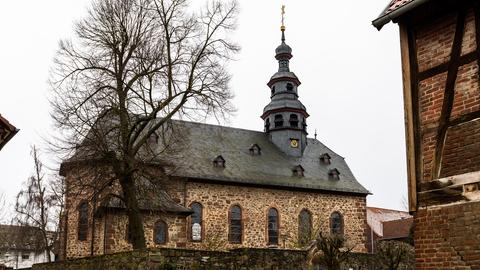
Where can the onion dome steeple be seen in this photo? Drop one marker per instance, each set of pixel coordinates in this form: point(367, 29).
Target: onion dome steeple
point(285, 116)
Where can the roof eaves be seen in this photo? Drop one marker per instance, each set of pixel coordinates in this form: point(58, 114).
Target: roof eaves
point(385, 17)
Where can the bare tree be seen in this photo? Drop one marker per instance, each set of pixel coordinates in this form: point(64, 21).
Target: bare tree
point(133, 65)
point(36, 207)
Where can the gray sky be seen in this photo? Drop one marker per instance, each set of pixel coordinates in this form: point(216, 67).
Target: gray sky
point(350, 74)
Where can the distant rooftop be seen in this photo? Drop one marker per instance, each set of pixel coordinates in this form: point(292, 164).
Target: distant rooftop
point(378, 217)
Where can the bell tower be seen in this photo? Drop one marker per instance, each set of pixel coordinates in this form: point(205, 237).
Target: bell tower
point(285, 116)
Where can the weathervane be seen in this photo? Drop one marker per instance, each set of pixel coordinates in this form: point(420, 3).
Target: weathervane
point(283, 17)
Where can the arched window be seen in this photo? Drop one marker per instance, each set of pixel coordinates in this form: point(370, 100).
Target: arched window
point(293, 120)
point(278, 120)
point(273, 90)
point(196, 221)
point(304, 227)
point(336, 223)
point(289, 87)
point(235, 230)
point(272, 226)
point(160, 232)
point(82, 221)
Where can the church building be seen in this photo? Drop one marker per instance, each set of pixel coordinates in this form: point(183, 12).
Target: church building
point(234, 188)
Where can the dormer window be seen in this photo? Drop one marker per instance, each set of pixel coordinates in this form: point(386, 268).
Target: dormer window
point(289, 87)
point(334, 174)
point(278, 120)
point(219, 162)
point(298, 171)
point(293, 120)
point(153, 139)
point(325, 159)
point(255, 150)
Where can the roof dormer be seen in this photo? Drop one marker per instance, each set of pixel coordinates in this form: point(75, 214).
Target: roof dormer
point(325, 159)
point(255, 150)
point(298, 171)
point(334, 174)
point(219, 162)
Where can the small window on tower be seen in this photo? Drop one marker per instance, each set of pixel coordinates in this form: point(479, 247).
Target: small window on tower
point(278, 120)
point(289, 87)
point(273, 90)
point(219, 162)
point(267, 125)
point(334, 174)
point(293, 120)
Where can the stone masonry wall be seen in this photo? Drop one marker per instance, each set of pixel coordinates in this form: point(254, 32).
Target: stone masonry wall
point(255, 203)
point(216, 200)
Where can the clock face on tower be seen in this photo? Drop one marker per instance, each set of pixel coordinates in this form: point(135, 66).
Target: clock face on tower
point(294, 143)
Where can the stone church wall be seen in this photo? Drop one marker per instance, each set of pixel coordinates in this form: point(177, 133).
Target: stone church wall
point(255, 203)
point(216, 200)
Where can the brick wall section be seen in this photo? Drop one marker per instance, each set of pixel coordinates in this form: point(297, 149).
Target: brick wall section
point(434, 43)
point(447, 237)
point(462, 149)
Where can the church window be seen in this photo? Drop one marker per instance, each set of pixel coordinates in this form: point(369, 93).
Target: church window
point(160, 232)
point(219, 162)
point(336, 223)
point(196, 221)
point(255, 150)
point(267, 125)
point(298, 171)
point(278, 120)
point(82, 221)
point(235, 230)
point(293, 120)
point(273, 226)
point(304, 227)
point(334, 174)
point(325, 159)
point(289, 87)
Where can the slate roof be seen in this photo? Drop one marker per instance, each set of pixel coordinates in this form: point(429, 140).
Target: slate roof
point(202, 143)
point(394, 9)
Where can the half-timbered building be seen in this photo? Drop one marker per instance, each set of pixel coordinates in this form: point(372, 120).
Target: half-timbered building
point(440, 51)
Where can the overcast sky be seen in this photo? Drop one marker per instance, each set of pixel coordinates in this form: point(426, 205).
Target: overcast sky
point(350, 74)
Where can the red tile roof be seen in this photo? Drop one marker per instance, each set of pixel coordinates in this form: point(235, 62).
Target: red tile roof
point(397, 4)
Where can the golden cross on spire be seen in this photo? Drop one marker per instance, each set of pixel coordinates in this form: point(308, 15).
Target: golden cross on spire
point(283, 17)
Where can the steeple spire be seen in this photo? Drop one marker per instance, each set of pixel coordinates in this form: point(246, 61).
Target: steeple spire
point(285, 116)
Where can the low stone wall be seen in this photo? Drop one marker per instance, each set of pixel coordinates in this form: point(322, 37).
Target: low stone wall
point(186, 259)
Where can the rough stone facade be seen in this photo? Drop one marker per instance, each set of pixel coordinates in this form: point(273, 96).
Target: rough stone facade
point(110, 229)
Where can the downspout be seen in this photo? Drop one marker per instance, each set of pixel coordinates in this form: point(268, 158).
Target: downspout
point(105, 232)
point(92, 242)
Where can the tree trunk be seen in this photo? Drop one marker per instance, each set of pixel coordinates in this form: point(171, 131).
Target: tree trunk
point(135, 221)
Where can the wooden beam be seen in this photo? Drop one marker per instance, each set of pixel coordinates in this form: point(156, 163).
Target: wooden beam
point(408, 118)
point(449, 93)
point(463, 60)
point(462, 187)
